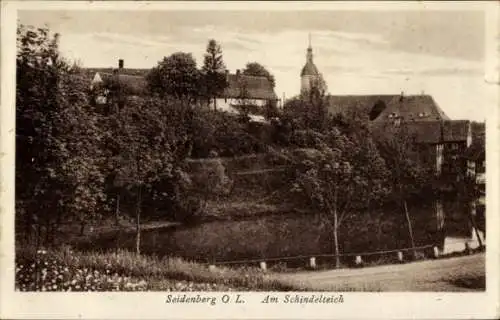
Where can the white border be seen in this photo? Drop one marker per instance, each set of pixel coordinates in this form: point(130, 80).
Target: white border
point(151, 305)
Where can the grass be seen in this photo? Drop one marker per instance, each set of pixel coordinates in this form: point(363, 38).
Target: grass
point(64, 269)
point(474, 282)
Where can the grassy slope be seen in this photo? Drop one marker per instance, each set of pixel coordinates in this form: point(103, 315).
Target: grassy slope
point(95, 271)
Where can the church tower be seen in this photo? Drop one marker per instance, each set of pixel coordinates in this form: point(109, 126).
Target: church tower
point(309, 76)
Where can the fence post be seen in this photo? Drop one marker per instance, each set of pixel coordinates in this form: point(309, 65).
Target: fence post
point(400, 256)
point(467, 248)
point(436, 252)
point(263, 265)
point(312, 262)
point(358, 260)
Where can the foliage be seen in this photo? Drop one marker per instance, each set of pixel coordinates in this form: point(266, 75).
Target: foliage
point(70, 270)
point(197, 189)
point(412, 172)
point(58, 139)
point(213, 71)
point(176, 76)
point(256, 69)
point(224, 134)
point(151, 139)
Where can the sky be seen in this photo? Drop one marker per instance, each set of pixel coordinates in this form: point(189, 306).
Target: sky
point(441, 53)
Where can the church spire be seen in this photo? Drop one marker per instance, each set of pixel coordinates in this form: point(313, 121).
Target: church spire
point(309, 50)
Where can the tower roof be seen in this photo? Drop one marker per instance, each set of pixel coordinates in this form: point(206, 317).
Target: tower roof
point(309, 68)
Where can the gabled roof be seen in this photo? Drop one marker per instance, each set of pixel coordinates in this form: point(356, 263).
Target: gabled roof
point(456, 130)
point(133, 85)
point(428, 132)
point(386, 107)
point(239, 86)
point(432, 132)
point(412, 108)
point(128, 71)
point(363, 103)
point(251, 87)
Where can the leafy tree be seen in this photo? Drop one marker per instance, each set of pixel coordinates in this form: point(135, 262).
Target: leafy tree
point(339, 175)
point(210, 183)
point(412, 175)
point(303, 113)
point(256, 69)
point(213, 72)
point(151, 137)
point(175, 76)
point(222, 133)
point(58, 154)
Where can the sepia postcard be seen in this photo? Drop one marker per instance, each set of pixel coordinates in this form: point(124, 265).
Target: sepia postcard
point(249, 160)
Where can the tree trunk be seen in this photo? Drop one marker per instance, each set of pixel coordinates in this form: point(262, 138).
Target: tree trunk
point(82, 227)
point(480, 241)
point(117, 210)
point(410, 230)
point(138, 223)
point(474, 226)
point(336, 240)
point(335, 231)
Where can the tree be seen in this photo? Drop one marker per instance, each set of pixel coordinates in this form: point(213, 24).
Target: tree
point(411, 174)
point(58, 149)
point(152, 138)
point(175, 76)
point(213, 72)
point(210, 183)
point(256, 69)
point(339, 176)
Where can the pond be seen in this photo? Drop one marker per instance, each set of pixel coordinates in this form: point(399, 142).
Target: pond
point(282, 235)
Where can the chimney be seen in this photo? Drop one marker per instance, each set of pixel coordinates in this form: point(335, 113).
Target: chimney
point(402, 96)
point(237, 72)
point(120, 64)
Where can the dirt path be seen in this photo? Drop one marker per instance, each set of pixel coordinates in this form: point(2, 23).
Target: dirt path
point(451, 274)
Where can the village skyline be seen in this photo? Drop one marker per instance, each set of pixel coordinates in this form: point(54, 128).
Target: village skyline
point(440, 53)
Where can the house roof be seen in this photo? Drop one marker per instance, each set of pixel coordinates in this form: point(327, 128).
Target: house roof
point(239, 85)
point(433, 132)
point(251, 87)
point(131, 84)
point(412, 108)
point(363, 103)
point(456, 130)
point(385, 107)
point(128, 71)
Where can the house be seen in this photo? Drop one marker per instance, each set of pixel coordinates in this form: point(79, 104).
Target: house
point(244, 93)
point(130, 82)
